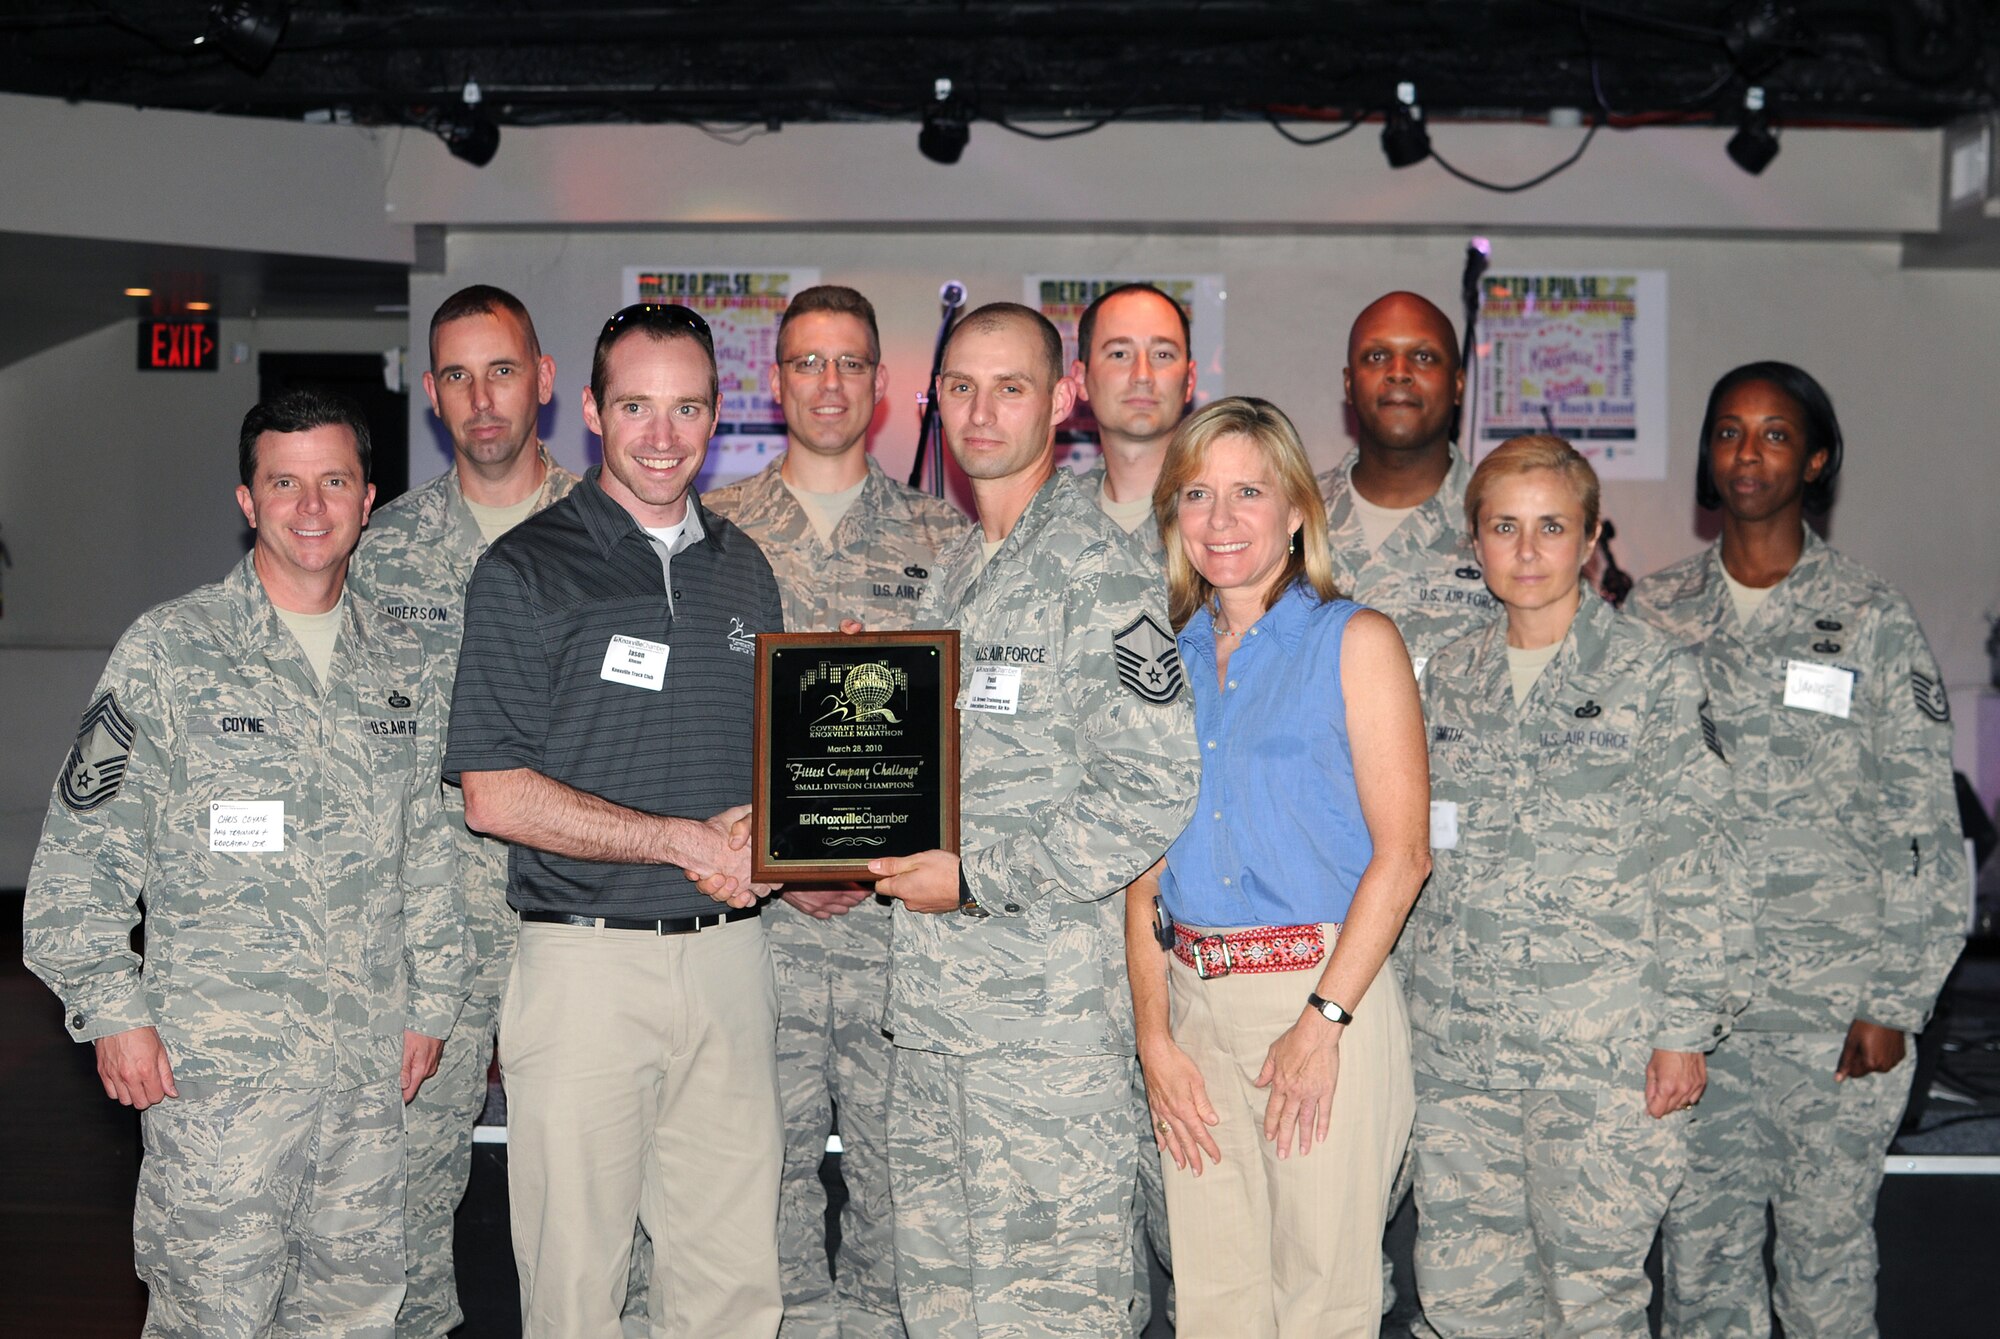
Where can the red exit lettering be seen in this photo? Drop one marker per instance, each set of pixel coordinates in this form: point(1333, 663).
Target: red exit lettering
point(176, 346)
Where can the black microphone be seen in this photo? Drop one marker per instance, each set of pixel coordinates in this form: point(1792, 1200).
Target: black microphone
point(952, 295)
point(1478, 255)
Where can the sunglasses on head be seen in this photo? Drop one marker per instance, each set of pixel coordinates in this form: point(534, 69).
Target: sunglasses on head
point(667, 316)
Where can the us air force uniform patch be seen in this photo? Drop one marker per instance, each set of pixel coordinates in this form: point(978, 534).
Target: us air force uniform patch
point(1709, 735)
point(96, 765)
point(1931, 699)
point(1148, 662)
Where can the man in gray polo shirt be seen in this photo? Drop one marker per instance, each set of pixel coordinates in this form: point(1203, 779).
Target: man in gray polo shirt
point(602, 724)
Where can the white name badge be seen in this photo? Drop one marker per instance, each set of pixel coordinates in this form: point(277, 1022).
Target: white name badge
point(996, 689)
point(1417, 663)
point(246, 825)
point(635, 661)
point(1822, 688)
point(1444, 825)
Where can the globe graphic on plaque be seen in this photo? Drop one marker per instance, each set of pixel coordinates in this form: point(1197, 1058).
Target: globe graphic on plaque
point(868, 688)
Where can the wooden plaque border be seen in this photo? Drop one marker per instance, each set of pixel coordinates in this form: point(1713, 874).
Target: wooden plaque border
point(766, 869)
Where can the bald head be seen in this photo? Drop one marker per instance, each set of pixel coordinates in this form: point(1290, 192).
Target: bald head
point(1404, 313)
point(1403, 378)
point(996, 316)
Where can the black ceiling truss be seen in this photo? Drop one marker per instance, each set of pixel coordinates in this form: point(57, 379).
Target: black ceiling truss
point(728, 64)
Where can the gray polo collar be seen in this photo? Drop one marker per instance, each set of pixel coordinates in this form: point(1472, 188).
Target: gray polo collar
point(611, 525)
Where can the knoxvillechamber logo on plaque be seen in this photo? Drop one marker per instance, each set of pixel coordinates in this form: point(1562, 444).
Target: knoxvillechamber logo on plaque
point(857, 751)
point(857, 723)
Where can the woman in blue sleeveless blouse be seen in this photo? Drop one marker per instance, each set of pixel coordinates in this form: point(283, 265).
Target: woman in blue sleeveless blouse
point(1276, 1049)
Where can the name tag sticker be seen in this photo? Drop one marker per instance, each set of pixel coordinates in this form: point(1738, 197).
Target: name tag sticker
point(1417, 663)
point(635, 661)
point(1823, 688)
point(995, 688)
point(1444, 825)
point(246, 825)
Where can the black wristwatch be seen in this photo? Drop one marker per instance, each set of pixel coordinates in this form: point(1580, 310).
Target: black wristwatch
point(1328, 1010)
point(968, 905)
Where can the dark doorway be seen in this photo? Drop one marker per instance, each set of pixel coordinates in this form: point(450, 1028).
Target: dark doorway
point(358, 376)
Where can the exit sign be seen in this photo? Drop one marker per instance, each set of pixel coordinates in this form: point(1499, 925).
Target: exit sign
point(177, 346)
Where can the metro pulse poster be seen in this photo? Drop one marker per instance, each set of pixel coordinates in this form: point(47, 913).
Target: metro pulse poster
point(1583, 355)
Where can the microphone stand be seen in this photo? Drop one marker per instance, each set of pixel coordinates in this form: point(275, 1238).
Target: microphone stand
point(1478, 255)
point(929, 439)
point(1614, 583)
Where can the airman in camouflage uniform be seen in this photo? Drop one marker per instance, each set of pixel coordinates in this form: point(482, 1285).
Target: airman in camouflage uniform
point(1136, 370)
point(1149, 1216)
point(1404, 384)
point(1850, 907)
point(832, 968)
point(304, 946)
point(1571, 928)
point(1012, 1131)
point(413, 565)
point(1844, 919)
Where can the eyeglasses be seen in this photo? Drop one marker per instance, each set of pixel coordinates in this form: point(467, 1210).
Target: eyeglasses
point(812, 365)
point(667, 316)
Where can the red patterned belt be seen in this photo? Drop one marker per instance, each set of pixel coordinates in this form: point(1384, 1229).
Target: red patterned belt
point(1268, 948)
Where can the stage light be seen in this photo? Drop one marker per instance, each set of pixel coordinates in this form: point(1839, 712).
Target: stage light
point(1404, 139)
point(138, 292)
point(945, 131)
point(469, 133)
point(1754, 144)
point(247, 32)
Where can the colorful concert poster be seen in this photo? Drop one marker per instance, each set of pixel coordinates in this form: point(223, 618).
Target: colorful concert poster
point(1580, 354)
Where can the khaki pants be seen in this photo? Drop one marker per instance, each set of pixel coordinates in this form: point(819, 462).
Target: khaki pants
point(1268, 1247)
point(641, 1081)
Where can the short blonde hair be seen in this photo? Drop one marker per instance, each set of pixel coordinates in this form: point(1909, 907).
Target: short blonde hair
point(1534, 451)
point(1275, 437)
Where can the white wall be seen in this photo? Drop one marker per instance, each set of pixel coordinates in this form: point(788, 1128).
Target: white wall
point(116, 492)
point(243, 183)
point(1908, 355)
